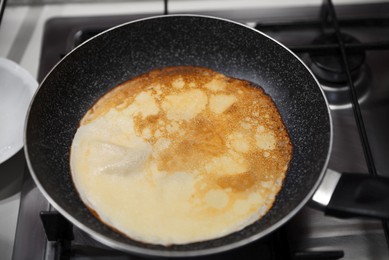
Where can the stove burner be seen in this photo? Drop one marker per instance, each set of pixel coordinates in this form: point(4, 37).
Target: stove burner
point(328, 69)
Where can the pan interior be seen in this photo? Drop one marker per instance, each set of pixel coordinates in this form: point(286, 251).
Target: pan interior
point(135, 48)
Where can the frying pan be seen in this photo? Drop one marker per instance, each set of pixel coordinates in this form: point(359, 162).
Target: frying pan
point(134, 48)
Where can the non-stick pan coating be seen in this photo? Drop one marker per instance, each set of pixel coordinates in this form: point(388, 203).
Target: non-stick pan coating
point(137, 47)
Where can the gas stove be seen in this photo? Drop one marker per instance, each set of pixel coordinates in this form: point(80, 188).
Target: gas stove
point(358, 93)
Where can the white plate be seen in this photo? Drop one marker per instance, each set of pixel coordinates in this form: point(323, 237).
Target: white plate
point(17, 87)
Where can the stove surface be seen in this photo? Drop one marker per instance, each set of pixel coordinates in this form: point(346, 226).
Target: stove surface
point(310, 230)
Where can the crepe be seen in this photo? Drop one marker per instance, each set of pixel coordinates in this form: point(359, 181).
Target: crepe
point(180, 155)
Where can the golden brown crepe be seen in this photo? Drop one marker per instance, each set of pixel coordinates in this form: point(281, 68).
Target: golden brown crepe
point(180, 155)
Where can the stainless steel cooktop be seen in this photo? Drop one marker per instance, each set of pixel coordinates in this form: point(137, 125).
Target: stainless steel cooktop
point(310, 230)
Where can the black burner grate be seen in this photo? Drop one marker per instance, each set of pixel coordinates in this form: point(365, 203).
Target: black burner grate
point(329, 14)
point(329, 20)
point(275, 246)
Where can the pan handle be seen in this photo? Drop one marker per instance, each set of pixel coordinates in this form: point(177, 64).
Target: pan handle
point(350, 194)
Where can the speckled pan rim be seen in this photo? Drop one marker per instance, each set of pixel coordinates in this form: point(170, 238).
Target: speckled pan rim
point(160, 253)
